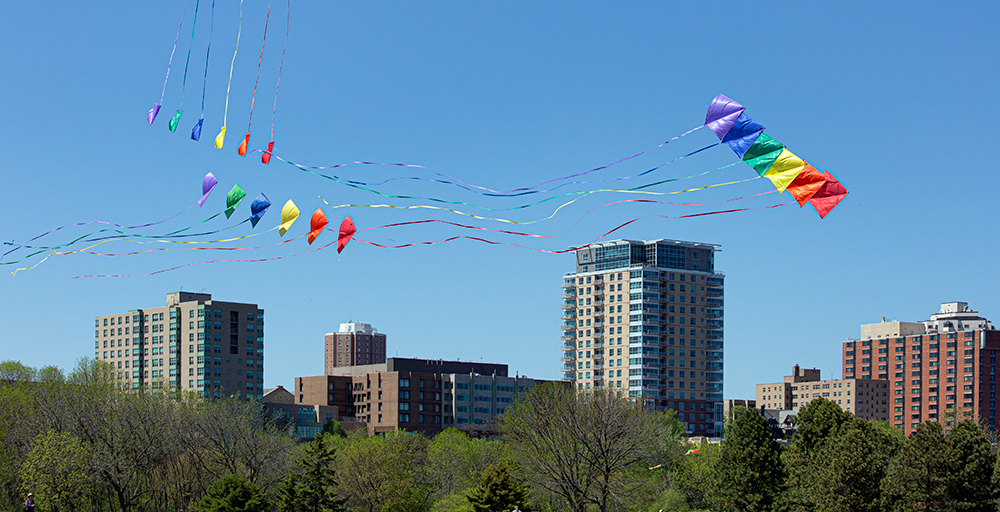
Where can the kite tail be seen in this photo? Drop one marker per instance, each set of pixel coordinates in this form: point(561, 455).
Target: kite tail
point(151, 115)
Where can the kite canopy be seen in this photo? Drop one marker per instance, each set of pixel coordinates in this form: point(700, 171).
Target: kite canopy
point(242, 150)
point(722, 113)
point(233, 199)
point(151, 115)
point(208, 184)
point(265, 157)
point(831, 193)
point(770, 158)
point(174, 120)
point(220, 138)
point(196, 131)
point(316, 224)
point(347, 231)
point(258, 207)
point(289, 213)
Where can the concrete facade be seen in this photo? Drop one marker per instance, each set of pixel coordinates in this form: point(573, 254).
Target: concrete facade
point(193, 343)
point(645, 319)
point(942, 369)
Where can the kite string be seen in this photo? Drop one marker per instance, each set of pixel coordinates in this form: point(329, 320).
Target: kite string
point(194, 23)
point(280, 65)
point(259, 60)
point(171, 60)
point(211, 29)
point(225, 113)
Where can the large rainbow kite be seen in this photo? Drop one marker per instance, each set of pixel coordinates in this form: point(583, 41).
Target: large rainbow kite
point(770, 158)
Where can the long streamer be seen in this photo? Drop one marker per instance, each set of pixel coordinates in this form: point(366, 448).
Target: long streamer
point(221, 137)
point(172, 125)
point(571, 249)
point(246, 140)
point(196, 131)
point(265, 156)
point(151, 115)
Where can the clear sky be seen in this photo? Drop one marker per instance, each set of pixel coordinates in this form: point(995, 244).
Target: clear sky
point(892, 97)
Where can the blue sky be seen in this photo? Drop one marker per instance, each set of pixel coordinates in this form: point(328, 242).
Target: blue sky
point(891, 97)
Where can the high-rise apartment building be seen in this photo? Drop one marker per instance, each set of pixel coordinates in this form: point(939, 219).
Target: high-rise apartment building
point(645, 319)
point(942, 369)
point(864, 398)
point(193, 343)
point(353, 344)
point(422, 395)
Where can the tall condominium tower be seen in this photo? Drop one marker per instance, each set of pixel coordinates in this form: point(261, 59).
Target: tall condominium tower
point(942, 369)
point(644, 319)
point(193, 343)
point(354, 344)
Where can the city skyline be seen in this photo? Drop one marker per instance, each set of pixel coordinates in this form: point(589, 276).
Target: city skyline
point(501, 96)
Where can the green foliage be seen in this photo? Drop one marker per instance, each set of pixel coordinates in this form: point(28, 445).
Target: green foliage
point(848, 468)
point(334, 427)
point(312, 485)
point(57, 470)
point(384, 472)
point(232, 493)
point(970, 464)
point(749, 471)
point(455, 461)
point(917, 478)
point(695, 477)
point(815, 425)
point(500, 488)
point(456, 502)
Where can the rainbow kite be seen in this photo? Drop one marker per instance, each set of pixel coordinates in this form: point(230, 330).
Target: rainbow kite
point(770, 158)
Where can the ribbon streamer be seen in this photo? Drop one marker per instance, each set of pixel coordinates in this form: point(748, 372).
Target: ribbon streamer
point(242, 150)
point(265, 156)
point(172, 125)
point(221, 137)
point(196, 130)
point(151, 115)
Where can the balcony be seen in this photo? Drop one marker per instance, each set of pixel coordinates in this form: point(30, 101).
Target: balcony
point(569, 375)
point(569, 294)
point(568, 337)
point(713, 334)
point(569, 304)
point(713, 377)
point(568, 317)
point(713, 313)
point(567, 357)
point(713, 367)
point(713, 356)
point(715, 324)
point(714, 303)
point(713, 397)
point(712, 291)
point(568, 325)
point(569, 283)
point(714, 387)
point(568, 367)
point(714, 345)
point(569, 345)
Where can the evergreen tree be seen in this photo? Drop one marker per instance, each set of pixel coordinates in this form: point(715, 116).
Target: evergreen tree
point(233, 493)
point(499, 488)
point(334, 427)
point(312, 485)
point(749, 471)
point(849, 468)
point(917, 478)
point(969, 468)
point(815, 424)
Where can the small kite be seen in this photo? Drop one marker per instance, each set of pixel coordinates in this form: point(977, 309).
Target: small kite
point(316, 224)
point(347, 231)
point(208, 184)
point(289, 213)
point(233, 199)
point(770, 158)
point(257, 208)
point(658, 466)
point(693, 451)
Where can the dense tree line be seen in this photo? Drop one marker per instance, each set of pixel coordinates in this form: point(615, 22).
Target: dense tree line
point(79, 441)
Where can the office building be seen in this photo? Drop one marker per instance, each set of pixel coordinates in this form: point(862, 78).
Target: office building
point(353, 344)
point(864, 398)
point(941, 369)
point(417, 394)
point(192, 343)
point(645, 319)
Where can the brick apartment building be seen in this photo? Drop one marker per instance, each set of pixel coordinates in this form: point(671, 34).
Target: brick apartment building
point(416, 394)
point(645, 319)
point(353, 344)
point(864, 398)
point(942, 369)
point(192, 343)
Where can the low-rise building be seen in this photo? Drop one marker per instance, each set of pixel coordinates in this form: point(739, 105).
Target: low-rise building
point(864, 398)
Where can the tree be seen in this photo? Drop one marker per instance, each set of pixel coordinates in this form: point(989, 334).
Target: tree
point(815, 424)
point(970, 465)
point(455, 461)
point(584, 447)
point(56, 470)
point(917, 478)
point(749, 471)
point(384, 472)
point(334, 427)
point(499, 488)
point(312, 485)
point(849, 468)
point(232, 493)
point(694, 478)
